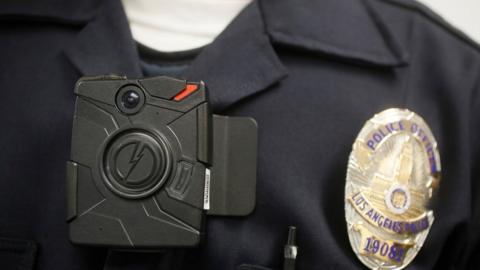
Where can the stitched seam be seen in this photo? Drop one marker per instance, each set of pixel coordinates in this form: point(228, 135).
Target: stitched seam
point(412, 49)
point(339, 49)
point(312, 45)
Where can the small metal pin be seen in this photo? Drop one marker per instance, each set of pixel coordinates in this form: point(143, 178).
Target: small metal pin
point(290, 250)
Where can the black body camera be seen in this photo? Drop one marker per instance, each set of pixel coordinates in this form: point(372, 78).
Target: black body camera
point(149, 160)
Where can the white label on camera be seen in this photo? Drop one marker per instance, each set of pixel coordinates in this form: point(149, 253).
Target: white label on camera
point(206, 193)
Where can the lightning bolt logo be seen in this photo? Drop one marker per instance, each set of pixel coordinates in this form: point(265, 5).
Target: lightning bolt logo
point(137, 155)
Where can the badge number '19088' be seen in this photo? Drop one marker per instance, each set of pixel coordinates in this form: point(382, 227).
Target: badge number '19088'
point(393, 170)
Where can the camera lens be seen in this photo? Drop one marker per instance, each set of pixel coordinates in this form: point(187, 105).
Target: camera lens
point(130, 99)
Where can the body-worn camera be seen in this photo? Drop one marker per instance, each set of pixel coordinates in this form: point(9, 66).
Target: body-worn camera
point(149, 161)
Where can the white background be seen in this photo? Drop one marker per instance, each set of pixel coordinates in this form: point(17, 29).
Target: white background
point(463, 14)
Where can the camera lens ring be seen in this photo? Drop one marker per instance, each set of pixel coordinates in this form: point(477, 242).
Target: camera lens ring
point(130, 99)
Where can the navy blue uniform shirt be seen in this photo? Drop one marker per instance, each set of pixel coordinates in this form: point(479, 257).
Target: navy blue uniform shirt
point(310, 72)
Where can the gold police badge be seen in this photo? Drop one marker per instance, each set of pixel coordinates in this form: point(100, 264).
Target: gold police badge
point(393, 170)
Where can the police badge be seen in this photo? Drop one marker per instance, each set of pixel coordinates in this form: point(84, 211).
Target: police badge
point(393, 170)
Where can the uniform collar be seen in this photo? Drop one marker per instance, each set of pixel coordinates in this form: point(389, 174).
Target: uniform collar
point(352, 30)
point(70, 12)
point(105, 44)
point(242, 61)
point(348, 29)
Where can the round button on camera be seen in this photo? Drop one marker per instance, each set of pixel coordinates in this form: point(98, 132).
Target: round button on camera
point(136, 164)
